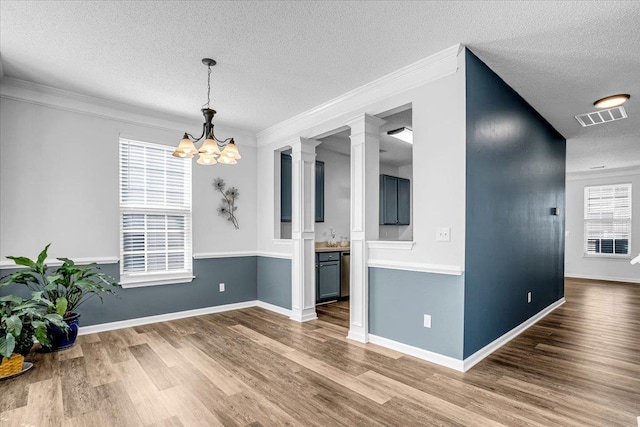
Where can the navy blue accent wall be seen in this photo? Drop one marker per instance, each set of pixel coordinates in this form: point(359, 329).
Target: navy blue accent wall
point(274, 281)
point(238, 275)
point(399, 299)
point(515, 175)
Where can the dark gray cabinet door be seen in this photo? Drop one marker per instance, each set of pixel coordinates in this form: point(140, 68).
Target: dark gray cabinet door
point(327, 276)
point(388, 200)
point(395, 200)
point(404, 201)
point(319, 191)
point(285, 188)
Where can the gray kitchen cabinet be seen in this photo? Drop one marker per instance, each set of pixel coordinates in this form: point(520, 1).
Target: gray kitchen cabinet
point(327, 276)
point(395, 200)
point(286, 189)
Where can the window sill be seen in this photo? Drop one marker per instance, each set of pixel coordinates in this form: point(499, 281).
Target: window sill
point(608, 256)
point(155, 280)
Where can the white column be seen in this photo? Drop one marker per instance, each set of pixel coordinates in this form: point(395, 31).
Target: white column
point(365, 168)
point(303, 272)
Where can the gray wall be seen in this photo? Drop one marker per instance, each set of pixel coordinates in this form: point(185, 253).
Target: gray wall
point(238, 274)
point(274, 281)
point(399, 299)
point(515, 175)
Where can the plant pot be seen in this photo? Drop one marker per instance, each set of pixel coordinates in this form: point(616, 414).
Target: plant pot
point(59, 339)
point(11, 366)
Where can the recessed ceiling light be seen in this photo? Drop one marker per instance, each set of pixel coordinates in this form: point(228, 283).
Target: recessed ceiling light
point(612, 101)
point(404, 134)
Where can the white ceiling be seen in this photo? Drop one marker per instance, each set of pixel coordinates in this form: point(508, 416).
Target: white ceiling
point(278, 59)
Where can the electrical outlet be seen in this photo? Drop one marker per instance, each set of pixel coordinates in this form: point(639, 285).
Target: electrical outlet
point(221, 287)
point(529, 297)
point(427, 321)
point(443, 234)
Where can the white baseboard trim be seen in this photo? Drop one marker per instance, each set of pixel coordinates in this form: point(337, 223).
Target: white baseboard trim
point(475, 358)
point(420, 353)
point(605, 278)
point(274, 308)
point(485, 351)
point(139, 321)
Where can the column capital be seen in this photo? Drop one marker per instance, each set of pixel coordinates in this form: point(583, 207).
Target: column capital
point(304, 145)
point(364, 123)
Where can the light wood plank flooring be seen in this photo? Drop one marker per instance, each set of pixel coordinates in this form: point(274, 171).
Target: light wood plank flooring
point(579, 366)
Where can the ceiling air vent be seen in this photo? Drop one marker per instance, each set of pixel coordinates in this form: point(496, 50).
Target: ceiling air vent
point(602, 116)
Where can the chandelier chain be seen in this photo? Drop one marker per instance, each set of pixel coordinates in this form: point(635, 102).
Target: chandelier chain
point(208, 87)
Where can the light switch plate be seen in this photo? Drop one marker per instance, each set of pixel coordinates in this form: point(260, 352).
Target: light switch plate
point(443, 234)
point(221, 287)
point(427, 321)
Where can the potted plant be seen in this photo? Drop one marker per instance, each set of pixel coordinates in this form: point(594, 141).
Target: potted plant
point(20, 321)
point(65, 287)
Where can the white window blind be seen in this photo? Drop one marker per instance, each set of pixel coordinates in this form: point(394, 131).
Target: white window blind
point(155, 213)
point(607, 219)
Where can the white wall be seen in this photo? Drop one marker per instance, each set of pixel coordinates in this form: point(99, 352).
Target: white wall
point(439, 129)
point(59, 183)
point(576, 264)
point(337, 195)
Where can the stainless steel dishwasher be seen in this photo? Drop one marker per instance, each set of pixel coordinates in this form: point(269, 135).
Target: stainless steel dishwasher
point(345, 263)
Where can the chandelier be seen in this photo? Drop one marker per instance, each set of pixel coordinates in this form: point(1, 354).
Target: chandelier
point(212, 150)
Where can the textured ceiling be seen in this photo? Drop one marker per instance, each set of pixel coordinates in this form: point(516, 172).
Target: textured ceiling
point(278, 59)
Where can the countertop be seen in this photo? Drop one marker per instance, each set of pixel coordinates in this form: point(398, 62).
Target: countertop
point(322, 247)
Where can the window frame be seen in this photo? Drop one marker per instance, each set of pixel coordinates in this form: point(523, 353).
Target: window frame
point(628, 221)
point(164, 277)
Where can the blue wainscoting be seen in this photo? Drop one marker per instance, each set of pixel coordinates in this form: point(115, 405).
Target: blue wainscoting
point(399, 299)
point(515, 176)
point(238, 274)
point(274, 281)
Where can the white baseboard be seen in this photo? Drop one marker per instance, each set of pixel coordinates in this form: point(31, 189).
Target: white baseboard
point(475, 358)
point(274, 308)
point(420, 353)
point(485, 351)
point(139, 321)
point(606, 278)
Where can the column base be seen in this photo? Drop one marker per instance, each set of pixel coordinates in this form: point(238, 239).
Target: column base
point(304, 315)
point(359, 336)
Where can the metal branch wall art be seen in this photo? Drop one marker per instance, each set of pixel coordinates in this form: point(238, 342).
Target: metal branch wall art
point(227, 206)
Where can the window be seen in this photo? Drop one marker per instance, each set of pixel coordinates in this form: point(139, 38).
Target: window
point(607, 220)
point(155, 215)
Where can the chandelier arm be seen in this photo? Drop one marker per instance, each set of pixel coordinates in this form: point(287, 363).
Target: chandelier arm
point(222, 141)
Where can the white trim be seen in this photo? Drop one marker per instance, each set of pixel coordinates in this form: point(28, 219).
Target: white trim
point(273, 255)
point(603, 173)
point(55, 263)
point(453, 270)
point(274, 308)
point(34, 93)
point(139, 321)
point(605, 278)
point(475, 358)
point(128, 282)
point(209, 255)
point(420, 353)
point(283, 242)
point(391, 244)
point(485, 351)
point(419, 73)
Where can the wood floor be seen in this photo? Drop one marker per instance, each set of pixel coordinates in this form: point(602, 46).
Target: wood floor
point(579, 366)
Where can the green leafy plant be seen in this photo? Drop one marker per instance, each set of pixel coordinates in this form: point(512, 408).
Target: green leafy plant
point(65, 287)
point(22, 319)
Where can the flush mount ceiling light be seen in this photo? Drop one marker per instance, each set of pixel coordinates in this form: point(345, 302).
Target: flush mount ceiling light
point(612, 101)
point(212, 150)
point(404, 134)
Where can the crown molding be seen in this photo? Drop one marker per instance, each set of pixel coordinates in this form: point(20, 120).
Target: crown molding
point(603, 173)
point(428, 69)
point(34, 93)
